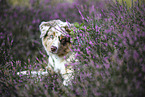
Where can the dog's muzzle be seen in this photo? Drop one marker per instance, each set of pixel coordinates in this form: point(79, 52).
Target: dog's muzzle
point(53, 48)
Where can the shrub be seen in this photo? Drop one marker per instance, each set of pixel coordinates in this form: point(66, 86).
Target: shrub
point(111, 51)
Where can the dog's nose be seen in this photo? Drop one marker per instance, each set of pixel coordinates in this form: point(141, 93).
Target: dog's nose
point(53, 48)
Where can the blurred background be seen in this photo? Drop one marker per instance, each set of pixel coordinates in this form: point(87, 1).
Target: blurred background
point(20, 20)
point(53, 2)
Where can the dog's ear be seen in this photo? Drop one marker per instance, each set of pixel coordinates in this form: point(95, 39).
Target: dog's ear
point(43, 27)
point(68, 28)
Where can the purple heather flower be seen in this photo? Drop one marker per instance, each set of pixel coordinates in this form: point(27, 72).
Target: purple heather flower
point(91, 43)
point(106, 44)
point(81, 14)
point(135, 55)
point(76, 55)
point(25, 67)
point(115, 43)
point(64, 57)
point(107, 66)
point(97, 28)
point(88, 50)
point(86, 64)
point(20, 81)
point(97, 66)
point(80, 34)
point(126, 55)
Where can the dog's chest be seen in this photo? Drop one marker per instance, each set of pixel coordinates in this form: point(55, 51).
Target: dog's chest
point(58, 64)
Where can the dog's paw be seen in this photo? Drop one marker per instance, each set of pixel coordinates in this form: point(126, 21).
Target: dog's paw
point(22, 73)
point(33, 73)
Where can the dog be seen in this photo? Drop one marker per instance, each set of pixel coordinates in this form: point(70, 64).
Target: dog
point(57, 45)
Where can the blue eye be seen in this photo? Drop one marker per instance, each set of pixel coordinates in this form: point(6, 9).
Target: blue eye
point(51, 36)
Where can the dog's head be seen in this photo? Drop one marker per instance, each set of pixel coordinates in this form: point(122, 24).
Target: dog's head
point(53, 34)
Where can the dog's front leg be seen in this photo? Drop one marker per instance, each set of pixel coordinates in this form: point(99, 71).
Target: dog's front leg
point(33, 73)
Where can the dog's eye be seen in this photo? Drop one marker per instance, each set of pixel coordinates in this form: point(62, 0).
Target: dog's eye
point(51, 36)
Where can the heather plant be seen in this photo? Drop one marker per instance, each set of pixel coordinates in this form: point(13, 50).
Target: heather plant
point(109, 47)
point(111, 53)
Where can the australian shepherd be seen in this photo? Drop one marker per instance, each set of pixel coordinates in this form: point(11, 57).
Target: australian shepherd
point(57, 45)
